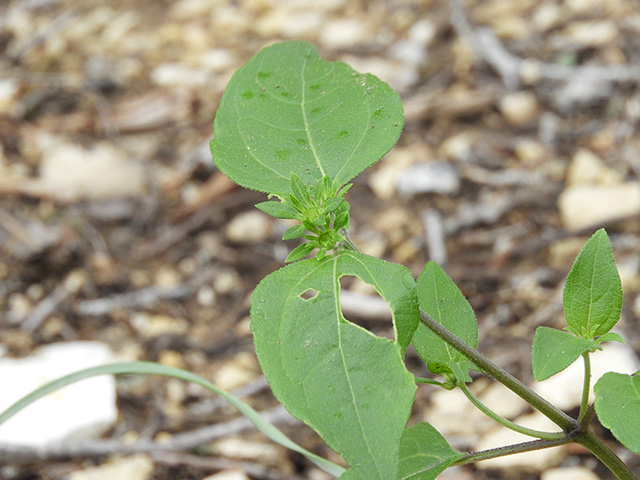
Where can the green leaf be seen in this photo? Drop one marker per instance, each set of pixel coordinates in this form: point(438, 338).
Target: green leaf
point(424, 453)
point(289, 111)
point(332, 204)
point(278, 210)
point(300, 189)
point(441, 299)
point(349, 385)
point(554, 350)
point(610, 337)
point(300, 252)
point(294, 232)
point(618, 407)
point(593, 293)
point(150, 368)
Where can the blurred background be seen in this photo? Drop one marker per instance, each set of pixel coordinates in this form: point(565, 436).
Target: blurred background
point(119, 240)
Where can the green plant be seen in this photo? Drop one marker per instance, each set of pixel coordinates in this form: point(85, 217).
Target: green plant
point(299, 129)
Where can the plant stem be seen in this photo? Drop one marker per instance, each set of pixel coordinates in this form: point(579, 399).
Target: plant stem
point(586, 388)
point(429, 381)
point(557, 416)
point(508, 423)
point(511, 450)
point(587, 439)
point(576, 432)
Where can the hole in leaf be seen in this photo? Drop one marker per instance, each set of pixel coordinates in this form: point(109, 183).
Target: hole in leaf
point(362, 305)
point(308, 294)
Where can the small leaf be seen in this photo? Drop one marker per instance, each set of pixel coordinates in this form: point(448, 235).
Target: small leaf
point(294, 232)
point(554, 350)
point(341, 221)
point(299, 188)
point(618, 407)
point(344, 189)
point(278, 210)
point(332, 204)
point(289, 111)
point(593, 293)
point(441, 299)
point(351, 386)
point(610, 337)
point(300, 252)
point(424, 453)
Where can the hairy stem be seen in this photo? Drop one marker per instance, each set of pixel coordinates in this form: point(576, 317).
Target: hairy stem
point(557, 416)
point(511, 450)
point(584, 404)
point(508, 423)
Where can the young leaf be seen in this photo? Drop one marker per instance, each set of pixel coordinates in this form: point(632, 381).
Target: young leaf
point(554, 350)
point(278, 210)
point(332, 204)
point(351, 386)
point(618, 407)
point(299, 188)
point(300, 252)
point(294, 232)
point(289, 111)
point(424, 453)
point(593, 293)
point(610, 337)
point(441, 299)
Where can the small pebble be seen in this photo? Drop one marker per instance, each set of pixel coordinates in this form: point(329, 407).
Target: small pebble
point(519, 108)
point(249, 227)
point(432, 177)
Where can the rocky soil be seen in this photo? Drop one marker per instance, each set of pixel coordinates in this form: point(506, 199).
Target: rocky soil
point(522, 138)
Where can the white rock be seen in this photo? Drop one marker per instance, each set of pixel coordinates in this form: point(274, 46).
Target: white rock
point(431, 177)
point(519, 108)
point(137, 467)
point(587, 168)
point(235, 447)
point(249, 227)
point(343, 33)
point(236, 372)
point(228, 475)
point(547, 16)
point(72, 173)
point(456, 418)
point(564, 389)
point(585, 205)
point(592, 34)
point(502, 400)
point(176, 74)
point(80, 410)
point(569, 473)
point(527, 462)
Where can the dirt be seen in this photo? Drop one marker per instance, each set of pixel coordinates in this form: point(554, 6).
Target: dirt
point(145, 79)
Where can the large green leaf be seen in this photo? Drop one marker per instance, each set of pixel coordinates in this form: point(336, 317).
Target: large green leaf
point(593, 293)
point(348, 384)
point(618, 407)
point(441, 299)
point(289, 111)
point(554, 350)
point(424, 453)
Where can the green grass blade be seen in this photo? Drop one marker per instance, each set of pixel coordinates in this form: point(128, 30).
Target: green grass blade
point(156, 369)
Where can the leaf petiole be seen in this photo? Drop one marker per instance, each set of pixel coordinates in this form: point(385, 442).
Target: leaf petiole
point(508, 423)
point(586, 388)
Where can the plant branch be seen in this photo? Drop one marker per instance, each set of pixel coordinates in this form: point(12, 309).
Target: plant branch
point(587, 439)
point(557, 416)
point(512, 449)
point(508, 423)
